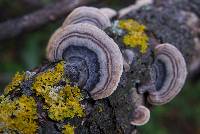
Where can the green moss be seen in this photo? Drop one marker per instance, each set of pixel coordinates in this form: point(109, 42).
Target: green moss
point(68, 129)
point(18, 115)
point(136, 35)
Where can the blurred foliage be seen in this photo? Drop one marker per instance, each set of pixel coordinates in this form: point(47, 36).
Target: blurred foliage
point(181, 116)
point(24, 53)
point(6, 5)
point(10, 9)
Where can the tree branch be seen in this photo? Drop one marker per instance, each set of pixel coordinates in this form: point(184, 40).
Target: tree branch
point(12, 28)
point(33, 3)
point(114, 113)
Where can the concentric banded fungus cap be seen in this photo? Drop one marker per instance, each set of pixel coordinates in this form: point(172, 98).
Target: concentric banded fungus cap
point(108, 12)
point(128, 57)
point(169, 74)
point(88, 47)
point(88, 15)
point(141, 116)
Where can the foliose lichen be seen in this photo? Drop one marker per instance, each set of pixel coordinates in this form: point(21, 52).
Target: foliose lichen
point(61, 102)
point(45, 81)
point(135, 36)
point(66, 104)
point(68, 129)
point(18, 115)
point(15, 83)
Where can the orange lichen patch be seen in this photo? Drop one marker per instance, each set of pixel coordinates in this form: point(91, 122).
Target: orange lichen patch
point(18, 115)
point(15, 83)
point(68, 129)
point(61, 102)
point(136, 35)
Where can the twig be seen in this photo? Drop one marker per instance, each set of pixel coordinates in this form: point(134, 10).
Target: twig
point(33, 3)
point(12, 28)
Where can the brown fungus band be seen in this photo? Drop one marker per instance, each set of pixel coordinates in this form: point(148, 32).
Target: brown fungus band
point(169, 73)
point(90, 15)
point(92, 55)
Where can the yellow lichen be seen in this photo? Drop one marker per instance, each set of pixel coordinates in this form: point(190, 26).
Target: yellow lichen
point(136, 35)
point(66, 104)
point(46, 80)
point(16, 82)
point(18, 115)
point(68, 129)
point(60, 104)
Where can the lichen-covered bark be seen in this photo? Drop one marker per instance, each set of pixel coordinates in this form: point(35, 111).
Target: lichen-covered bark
point(102, 116)
point(167, 22)
point(165, 25)
point(113, 114)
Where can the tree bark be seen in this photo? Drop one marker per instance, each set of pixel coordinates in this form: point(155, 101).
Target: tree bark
point(166, 21)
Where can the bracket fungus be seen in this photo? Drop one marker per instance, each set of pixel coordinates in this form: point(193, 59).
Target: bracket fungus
point(108, 12)
point(168, 74)
point(128, 57)
point(90, 49)
point(90, 15)
point(141, 116)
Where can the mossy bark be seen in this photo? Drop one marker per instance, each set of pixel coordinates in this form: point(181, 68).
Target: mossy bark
point(112, 115)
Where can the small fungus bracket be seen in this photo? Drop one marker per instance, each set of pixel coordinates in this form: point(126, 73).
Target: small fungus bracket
point(168, 75)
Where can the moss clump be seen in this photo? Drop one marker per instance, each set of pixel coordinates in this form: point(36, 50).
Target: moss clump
point(18, 115)
point(61, 102)
point(135, 34)
point(68, 129)
point(15, 83)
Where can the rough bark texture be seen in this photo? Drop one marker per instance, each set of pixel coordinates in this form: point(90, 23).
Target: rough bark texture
point(111, 115)
point(167, 22)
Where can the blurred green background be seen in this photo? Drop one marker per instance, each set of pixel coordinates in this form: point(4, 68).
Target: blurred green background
point(27, 51)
